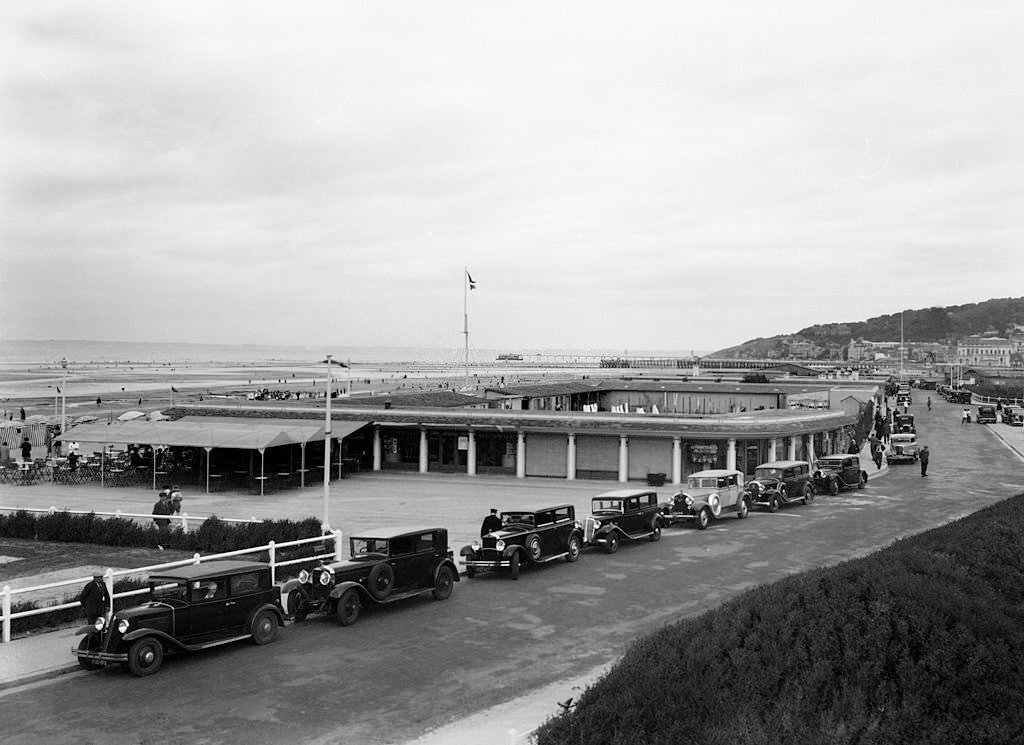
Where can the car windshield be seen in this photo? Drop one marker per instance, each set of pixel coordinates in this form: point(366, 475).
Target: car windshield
point(768, 473)
point(362, 546)
point(606, 505)
point(168, 591)
point(707, 482)
point(517, 518)
point(830, 465)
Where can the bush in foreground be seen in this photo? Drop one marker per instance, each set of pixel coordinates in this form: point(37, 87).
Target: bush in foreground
point(922, 642)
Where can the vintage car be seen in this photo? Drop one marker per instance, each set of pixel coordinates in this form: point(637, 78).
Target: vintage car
point(1015, 418)
point(986, 414)
point(188, 609)
point(623, 514)
point(779, 483)
point(905, 438)
point(835, 472)
point(903, 423)
point(534, 536)
point(707, 494)
point(384, 566)
point(1006, 415)
point(902, 452)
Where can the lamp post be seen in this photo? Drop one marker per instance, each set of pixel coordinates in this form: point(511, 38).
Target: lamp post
point(64, 396)
point(327, 445)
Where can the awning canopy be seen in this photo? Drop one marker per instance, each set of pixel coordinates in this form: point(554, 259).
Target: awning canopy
point(202, 432)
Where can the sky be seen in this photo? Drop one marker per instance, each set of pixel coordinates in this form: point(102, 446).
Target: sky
point(613, 175)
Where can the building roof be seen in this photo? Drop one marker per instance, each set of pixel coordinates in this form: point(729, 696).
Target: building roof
point(210, 432)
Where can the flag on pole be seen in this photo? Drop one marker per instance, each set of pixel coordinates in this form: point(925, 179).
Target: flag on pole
point(472, 282)
point(173, 389)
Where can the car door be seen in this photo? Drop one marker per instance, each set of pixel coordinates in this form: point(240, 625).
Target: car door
point(209, 613)
point(630, 521)
point(412, 558)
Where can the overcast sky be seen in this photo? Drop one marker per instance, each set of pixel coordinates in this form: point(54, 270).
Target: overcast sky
point(625, 175)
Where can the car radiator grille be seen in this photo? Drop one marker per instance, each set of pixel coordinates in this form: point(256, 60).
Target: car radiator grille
point(589, 526)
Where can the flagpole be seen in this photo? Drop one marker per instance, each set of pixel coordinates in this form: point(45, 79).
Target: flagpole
point(465, 317)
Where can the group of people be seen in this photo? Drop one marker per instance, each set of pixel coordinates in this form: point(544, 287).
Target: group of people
point(168, 503)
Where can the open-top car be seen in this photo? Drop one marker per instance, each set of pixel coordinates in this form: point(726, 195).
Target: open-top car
point(779, 483)
point(835, 472)
point(188, 609)
point(384, 566)
point(534, 536)
point(623, 514)
point(902, 452)
point(707, 494)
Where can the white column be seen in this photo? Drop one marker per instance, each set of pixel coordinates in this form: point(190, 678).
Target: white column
point(520, 455)
point(376, 448)
point(570, 458)
point(423, 450)
point(730, 455)
point(623, 458)
point(810, 448)
point(773, 448)
point(792, 448)
point(471, 454)
point(677, 461)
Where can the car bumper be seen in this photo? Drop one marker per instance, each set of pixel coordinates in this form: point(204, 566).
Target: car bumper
point(97, 656)
point(485, 564)
point(675, 517)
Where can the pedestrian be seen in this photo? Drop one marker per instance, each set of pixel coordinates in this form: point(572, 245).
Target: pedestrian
point(491, 523)
point(922, 457)
point(26, 450)
point(95, 599)
point(22, 413)
point(162, 507)
point(929, 403)
point(876, 455)
point(885, 431)
point(99, 400)
point(965, 416)
point(175, 500)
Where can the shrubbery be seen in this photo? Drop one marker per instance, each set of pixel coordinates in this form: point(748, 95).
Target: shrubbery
point(922, 642)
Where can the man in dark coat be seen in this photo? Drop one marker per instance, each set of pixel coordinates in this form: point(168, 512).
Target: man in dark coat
point(922, 458)
point(491, 523)
point(94, 599)
point(162, 507)
point(26, 450)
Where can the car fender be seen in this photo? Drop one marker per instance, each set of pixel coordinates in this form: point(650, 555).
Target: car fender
point(509, 550)
point(293, 584)
point(468, 552)
point(341, 587)
point(259, 609)
point(169, 640)
point(447, 563)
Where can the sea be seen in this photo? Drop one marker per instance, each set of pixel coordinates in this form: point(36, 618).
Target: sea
point(78, 351)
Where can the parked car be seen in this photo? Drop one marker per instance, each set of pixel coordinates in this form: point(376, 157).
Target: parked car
point(835, 472)
point(902, 452)
point(903, 423)
point(986, 414)
point(707, 494)
point(385, 565)
point(623, 514)
point(188, 609)
point(1007, 413)
point(906, 438)
point(779, 483)
point(526, 537)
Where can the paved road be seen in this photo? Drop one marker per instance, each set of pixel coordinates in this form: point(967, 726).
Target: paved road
point(403, 670)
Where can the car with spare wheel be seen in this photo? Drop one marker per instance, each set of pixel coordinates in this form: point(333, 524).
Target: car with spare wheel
point(622, 515)
point(708, 494)
point(986, 414)
point(902, 452)
point(188, 609)
point(526, 537)
point(385, 565)
point(779, 483)
point(835, 472)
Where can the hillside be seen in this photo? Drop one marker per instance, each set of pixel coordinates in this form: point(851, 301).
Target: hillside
point(945, 324)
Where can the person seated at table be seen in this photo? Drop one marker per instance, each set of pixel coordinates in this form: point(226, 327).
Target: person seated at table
point(73, 461)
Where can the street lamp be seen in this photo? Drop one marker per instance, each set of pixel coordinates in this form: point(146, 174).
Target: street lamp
point(64, 396)
point(327, 446)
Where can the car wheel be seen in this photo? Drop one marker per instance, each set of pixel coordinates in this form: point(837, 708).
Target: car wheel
point(471, 572)
point(380, 581)
point(533, 549)
point(297, 605)
point(655, 530)
point(263, 627)
point(444, 583)
point(85, 645)
point(833, 487)
point(145, 656)
point(783, 493)
point(513, 565)
point(773, 503)
point(611, 542)
point(703, 518)
point(862, 480)
point(348, 607)
point(808, 494)
point(742, 508)
point(574, 548)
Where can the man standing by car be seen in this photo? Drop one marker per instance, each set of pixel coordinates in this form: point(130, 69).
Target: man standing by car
point(491, 523)
point(923, 459)
point(94, 598)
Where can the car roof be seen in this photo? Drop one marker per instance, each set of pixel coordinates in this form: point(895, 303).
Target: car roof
point(837, 456)
point(714, 472)
point(209, 569)
point(392, 531)
point(623, 493)
point(537, 509)
point(784, 464)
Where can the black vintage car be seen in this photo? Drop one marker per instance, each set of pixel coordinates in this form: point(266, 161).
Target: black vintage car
point(903, 423)
point(384, 566)
point(623, 514)
point(779, 483)
point(526, 537)
point(188, 609)
point(835, 472)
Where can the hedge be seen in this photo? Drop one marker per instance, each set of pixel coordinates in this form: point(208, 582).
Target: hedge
point(922, 642)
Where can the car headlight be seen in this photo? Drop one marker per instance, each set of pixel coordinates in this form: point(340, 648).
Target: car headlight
point(304, 576)
point(688, 501)
point(500, 545)
point(597, 523)
point(122, 625)
point(98, 624)
point(325, 578)
point(475, 545)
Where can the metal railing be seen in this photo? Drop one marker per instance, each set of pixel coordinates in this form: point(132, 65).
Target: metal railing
point(184, 518)
point(7, 593)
